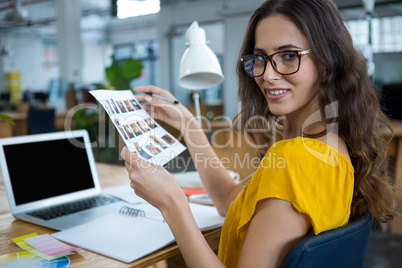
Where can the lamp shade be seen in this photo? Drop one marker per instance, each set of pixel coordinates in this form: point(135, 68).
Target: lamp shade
point(199, 66)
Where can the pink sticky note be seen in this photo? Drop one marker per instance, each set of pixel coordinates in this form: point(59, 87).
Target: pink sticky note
point(48, 245)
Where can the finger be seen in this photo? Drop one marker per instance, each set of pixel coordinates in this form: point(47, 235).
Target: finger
point(148, 88)
point(132, 160)
point(132, 185)
point(147, 107)
point(160, 110)
point(154, 99)
point(127, 155)
point(153, 111)
point(129, 166)
point(153, 89)
point(122, 153)
point(149, 99)
point(138, 165)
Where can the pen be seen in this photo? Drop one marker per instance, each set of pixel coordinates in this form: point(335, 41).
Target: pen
point(161, 97)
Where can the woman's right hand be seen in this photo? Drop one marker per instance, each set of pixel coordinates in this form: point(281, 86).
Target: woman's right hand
point(176, 115)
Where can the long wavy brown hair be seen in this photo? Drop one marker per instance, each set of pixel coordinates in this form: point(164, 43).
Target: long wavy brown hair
point(360, 121)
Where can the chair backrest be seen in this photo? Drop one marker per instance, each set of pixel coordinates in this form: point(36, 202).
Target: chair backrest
point(41, 121)
point(344, 247)
point(391, 96)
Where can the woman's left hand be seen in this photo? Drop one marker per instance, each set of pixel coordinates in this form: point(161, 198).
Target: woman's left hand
point(152, 182)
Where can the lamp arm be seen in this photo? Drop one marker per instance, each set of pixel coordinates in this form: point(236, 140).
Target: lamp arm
point(196, 98)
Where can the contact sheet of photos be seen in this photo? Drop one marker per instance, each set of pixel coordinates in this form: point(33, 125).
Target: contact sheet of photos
point(140, 132)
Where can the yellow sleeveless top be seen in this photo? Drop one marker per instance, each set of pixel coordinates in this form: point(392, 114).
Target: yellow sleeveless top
point(314, 177)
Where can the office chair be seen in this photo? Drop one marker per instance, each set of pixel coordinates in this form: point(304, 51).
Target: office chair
point(4, 100)
point(391, 96)
point(40, 97)
point(342, 247)
point(41, 121)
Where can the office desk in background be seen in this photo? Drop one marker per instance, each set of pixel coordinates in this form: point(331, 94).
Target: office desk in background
point(396, 147)
point(21, 123)
point(395, 150)
point(109, 175)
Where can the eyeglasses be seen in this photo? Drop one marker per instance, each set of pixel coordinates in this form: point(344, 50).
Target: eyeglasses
point(284, 62)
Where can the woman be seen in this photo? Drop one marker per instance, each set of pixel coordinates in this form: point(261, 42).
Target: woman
point(300, 73)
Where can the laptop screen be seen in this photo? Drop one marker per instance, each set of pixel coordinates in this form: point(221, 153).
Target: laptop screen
point(45, 169)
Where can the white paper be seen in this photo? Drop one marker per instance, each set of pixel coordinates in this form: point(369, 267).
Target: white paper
point(127, 238)
point(207, 217)
point(120, 237)
point(124, 192)
point(138, 130)
point(192, 179)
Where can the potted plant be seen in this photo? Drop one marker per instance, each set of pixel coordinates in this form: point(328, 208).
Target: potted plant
point(120, 73)
point(6, 131)
point(7, 118)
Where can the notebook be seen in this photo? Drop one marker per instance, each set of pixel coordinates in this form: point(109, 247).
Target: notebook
point(134, 231)
point(51, 179)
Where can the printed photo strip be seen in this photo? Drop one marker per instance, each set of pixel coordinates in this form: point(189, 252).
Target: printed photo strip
point(139, 131)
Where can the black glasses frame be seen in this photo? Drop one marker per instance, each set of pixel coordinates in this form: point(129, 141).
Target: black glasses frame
point(269, 58)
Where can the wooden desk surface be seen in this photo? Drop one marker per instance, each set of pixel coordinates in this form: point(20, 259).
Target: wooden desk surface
point(109, 175)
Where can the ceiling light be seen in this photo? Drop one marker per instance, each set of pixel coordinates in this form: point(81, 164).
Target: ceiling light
point(133, 8)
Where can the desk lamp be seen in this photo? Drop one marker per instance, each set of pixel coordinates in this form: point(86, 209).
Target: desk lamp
point(199, 67)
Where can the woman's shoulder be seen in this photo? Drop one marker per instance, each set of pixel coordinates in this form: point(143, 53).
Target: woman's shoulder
point(336, 142)
point(329, 149)
point(306, 172)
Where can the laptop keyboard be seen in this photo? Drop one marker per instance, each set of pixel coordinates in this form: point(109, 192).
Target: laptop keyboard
point(66, 209)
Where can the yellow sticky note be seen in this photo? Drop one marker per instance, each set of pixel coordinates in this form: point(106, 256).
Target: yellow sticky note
point(20, 239)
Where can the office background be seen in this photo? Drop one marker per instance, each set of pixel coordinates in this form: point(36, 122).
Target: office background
point(64, 45)
point(61, 43)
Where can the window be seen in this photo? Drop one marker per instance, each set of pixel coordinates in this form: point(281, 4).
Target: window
point(49, 55)
point(147, 52)
point(386, 34)
point(122, 52)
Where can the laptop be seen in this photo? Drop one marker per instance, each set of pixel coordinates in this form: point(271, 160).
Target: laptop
point(51, 179)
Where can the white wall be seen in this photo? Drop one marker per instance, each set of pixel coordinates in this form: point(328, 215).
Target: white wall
point(94, 61)
point(233, 14)
point(28, 59)
point(234, 36)
point(142, 28)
